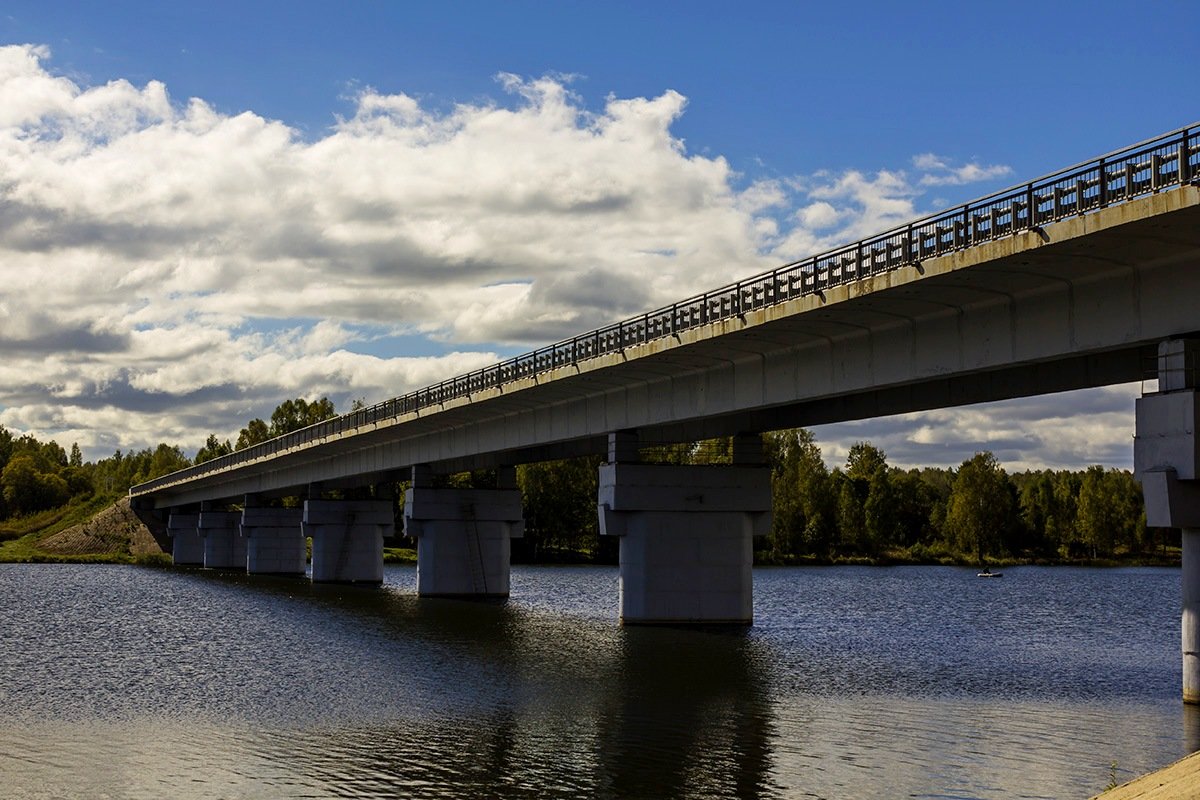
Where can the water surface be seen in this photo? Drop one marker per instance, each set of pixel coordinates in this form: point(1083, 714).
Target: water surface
point(126, 682)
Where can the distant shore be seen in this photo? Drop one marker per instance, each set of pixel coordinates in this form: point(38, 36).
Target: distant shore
point(108, 531)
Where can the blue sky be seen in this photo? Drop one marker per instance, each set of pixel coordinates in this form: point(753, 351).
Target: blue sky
point(776, 87)
point(717, 138)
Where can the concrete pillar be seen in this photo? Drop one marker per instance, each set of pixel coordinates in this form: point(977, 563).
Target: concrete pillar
point(1166, 457)
point(274, 541)
point(224, 547)
point(187, 547)
point(347, 539)
point(1189, 621)
point(686, 548)
point(463, 536)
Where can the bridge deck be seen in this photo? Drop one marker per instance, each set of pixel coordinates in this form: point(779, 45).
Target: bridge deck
point(1054, 285)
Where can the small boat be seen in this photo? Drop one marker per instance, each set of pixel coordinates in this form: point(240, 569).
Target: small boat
point(987, 573)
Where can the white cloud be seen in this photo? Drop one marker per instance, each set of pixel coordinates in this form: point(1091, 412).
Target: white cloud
point(170, 270)
point(1058, 431)
point(939, 172)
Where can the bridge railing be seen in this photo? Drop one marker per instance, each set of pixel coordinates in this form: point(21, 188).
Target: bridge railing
point(1166, 161)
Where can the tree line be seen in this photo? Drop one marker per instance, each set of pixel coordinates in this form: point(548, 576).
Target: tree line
point(39, 476)
point(864, 508)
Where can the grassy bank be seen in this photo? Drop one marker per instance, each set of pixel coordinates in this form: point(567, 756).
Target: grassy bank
point(94, 530)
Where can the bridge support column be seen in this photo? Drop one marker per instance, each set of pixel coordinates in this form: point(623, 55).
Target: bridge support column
point(187, 546)
point(224, 547)
point(274, 541)
point(1167, 462)
point(347, 539)
point(686, 548)
point(463, 535)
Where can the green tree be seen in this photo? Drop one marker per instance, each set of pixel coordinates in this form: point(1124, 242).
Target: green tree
point(979, 507)
point(851, 524)
point(6, 446)
point(914, 499)
point(255, 432)
point(27, 489)
point(292, 415)
point(559, 504)
point(213, 448)
point(1110, 512)
point(1064, 529)
point(866, 503)
point(787, 510)
point(76, 458)
point(940, 483)
point(804, 506)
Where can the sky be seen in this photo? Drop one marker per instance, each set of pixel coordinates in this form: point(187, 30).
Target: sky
point(206, 209)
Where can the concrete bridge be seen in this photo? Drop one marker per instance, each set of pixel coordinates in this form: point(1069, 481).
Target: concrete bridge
point(1086, 277)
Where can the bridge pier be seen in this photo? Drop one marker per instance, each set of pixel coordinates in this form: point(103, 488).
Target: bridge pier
point(463, 535)
point(274, 540)
point(686, 548)
point(347, 539)
point(1166, 461)
point(224, 547)
point(187, 546)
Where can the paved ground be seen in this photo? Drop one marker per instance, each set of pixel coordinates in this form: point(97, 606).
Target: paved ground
point(1180, 781)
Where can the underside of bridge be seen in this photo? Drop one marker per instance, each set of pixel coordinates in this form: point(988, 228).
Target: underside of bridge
point(1079, 303)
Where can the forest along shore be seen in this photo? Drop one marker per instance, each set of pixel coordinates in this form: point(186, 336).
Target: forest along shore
point(864, 511)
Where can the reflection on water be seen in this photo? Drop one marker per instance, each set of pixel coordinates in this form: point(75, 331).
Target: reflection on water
point(128, 683)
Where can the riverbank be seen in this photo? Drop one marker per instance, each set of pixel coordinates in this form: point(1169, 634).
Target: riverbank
point(98, 530)
point(1179, 781)
point(107, 530)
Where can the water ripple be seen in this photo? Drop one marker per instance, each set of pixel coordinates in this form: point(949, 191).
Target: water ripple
point(120, 682)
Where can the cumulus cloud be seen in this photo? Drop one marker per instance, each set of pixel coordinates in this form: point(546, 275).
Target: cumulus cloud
point(939, 171)
point(171, 271)
point(1057, 431)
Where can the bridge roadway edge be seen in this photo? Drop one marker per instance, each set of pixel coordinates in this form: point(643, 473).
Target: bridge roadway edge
point(1078, 303)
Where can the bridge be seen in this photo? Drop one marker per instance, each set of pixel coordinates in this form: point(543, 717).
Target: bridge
point(1086, 277)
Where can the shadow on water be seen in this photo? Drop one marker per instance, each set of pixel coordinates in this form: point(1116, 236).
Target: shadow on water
point(1191, 728)
point(688, 717)
point(126, 682)
point(538, 705)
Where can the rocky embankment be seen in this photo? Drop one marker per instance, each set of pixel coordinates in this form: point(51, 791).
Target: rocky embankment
point(115, 530)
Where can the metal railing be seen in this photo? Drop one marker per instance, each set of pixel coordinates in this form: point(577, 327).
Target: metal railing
point(1166, 161)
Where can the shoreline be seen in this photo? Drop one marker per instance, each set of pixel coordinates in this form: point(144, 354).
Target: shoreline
point(1178, 781)
point(404, 557)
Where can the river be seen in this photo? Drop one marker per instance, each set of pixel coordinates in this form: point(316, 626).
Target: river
point(925, 682)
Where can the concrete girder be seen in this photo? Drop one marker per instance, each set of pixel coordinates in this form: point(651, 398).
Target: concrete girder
point(1061, 323)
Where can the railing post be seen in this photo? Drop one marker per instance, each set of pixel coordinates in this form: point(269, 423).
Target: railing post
point(1185, 166)
point(1030, 208)
point(1102, 194)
